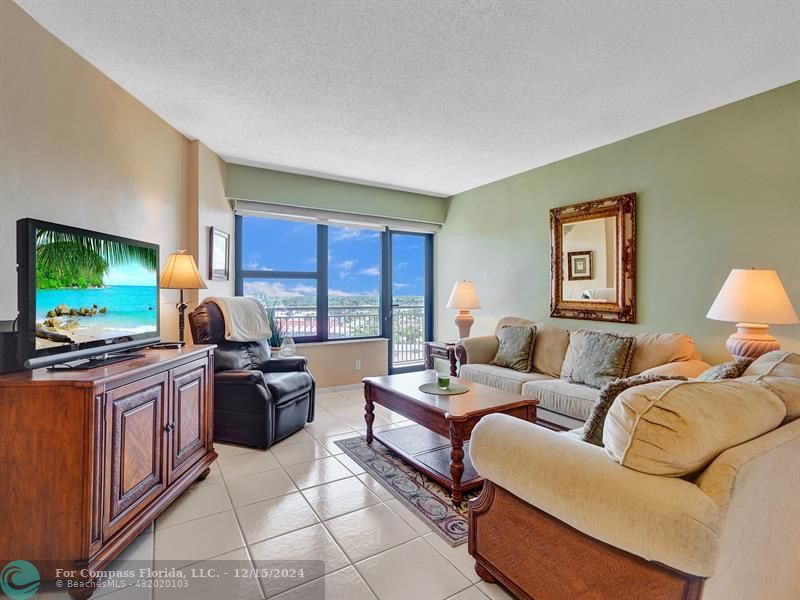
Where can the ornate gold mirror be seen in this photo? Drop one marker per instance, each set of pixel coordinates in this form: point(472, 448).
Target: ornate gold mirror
point(593, 260)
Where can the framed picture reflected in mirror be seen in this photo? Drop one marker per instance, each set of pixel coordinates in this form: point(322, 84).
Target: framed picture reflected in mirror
point(579, 265)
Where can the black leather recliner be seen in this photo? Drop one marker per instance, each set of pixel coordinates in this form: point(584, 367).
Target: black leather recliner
point(258, 399)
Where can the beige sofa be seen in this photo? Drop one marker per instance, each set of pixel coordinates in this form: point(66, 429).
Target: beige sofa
point(564, 404)
point(589, 524)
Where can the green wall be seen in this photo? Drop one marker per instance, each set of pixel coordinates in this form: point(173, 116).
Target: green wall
point(715, 191)
point(251, 183)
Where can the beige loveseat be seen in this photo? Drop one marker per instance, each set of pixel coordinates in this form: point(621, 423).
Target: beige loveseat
point(562, 403)
point(565, 519)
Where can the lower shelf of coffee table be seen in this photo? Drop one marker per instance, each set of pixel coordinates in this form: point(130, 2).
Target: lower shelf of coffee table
point(429, 452)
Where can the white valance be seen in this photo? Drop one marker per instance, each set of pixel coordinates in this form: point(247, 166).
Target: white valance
point(329, 217)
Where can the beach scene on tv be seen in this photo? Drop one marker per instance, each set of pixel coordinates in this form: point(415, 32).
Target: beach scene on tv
point(90, 289)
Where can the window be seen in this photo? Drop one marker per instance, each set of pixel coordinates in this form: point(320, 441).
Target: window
point(331, 282)
point(278, 263)
point(354, 282)
point(294, 302)
point(273, 245)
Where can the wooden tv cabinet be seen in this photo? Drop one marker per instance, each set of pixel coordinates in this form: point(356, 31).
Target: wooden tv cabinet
point(88, 459)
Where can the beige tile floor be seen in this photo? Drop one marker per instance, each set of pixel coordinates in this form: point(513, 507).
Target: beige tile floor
point(304, 500)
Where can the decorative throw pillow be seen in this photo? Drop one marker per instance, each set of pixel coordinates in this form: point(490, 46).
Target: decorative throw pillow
point(676, 428)
point(516, 347)
point(593, 428)
point(729, 370)
point(602, 357)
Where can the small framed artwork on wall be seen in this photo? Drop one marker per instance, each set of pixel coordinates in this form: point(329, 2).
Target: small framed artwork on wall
point(219, 251)
point(579, 265)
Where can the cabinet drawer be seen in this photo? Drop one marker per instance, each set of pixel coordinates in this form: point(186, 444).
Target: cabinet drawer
point(134, 436)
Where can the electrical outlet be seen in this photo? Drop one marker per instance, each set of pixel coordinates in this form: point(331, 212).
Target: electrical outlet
point(358, 364)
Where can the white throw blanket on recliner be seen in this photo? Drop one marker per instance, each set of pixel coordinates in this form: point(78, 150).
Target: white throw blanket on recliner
point(245, 318)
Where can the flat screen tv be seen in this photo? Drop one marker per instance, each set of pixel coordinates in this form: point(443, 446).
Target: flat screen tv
point(83, 294)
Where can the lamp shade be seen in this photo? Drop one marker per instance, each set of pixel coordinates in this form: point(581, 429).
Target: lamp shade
point(753, 296)
point(464, 296)
point(180, 273)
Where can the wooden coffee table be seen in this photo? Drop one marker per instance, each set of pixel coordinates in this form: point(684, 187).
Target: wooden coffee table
point(436, 445)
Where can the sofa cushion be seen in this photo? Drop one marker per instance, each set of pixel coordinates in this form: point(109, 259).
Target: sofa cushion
point(683, 368)
point(785, 388)
point(650, 350)
point(664, 519)
point(602, 357)
point(562, 397)
point(571, 356)
point(727, 370)
point(515, 349)
point(777, 363)
point(675, 429)
point(592, 431)
point(779, 372)
point(654, 349)
point(549, 350)
point(500, 378)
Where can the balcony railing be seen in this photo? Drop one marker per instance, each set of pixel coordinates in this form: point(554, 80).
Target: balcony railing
point(408, 324)
point(408, 333)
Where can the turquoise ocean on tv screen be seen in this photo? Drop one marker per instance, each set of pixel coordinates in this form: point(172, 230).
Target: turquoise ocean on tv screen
point(129, 307)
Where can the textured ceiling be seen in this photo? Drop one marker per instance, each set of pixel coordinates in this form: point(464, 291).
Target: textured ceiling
point(437, 96)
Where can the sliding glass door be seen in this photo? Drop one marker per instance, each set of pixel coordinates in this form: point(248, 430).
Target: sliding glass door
point(409, 318)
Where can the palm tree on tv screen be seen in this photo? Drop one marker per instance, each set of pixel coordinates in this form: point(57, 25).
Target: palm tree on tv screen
point(71, 260)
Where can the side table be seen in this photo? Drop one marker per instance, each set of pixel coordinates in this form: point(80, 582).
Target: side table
point(446, 350)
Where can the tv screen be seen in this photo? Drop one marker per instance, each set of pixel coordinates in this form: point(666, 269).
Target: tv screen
point(83, 293)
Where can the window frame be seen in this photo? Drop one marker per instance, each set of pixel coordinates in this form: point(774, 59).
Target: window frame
point(320, 276)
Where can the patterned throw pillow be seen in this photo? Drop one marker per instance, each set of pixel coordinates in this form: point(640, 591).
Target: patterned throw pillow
point(602, 357)
point(516, 347)
point(729, 370)
point(593, 428)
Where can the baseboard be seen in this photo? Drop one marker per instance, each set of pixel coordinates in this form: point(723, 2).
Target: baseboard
point(340, 388)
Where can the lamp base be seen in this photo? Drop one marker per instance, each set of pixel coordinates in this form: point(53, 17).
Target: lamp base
point(464, 322)
point(751, 340)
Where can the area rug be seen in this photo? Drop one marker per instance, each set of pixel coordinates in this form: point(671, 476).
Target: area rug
point(424, 497)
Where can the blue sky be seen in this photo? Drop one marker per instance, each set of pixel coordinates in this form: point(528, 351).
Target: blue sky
point(130, 274)
point(354, 258)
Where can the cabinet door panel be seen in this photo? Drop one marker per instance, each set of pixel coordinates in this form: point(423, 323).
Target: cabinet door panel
point(134, 449)
point(189, 409)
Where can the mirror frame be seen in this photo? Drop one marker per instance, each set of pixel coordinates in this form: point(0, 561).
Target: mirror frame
point(624, 309)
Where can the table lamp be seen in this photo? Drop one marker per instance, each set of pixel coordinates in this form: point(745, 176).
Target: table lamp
point(180, 273)
point(464, 297)
point(754, 299)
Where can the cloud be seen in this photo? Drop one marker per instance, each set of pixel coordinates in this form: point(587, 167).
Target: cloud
point(370, 271)
point(277, 289)
point(350, 233)
point(401, 265)
point(254, 265)
point(304, 290)
point(346, 265)
point(401, 285)
point(301, 228)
